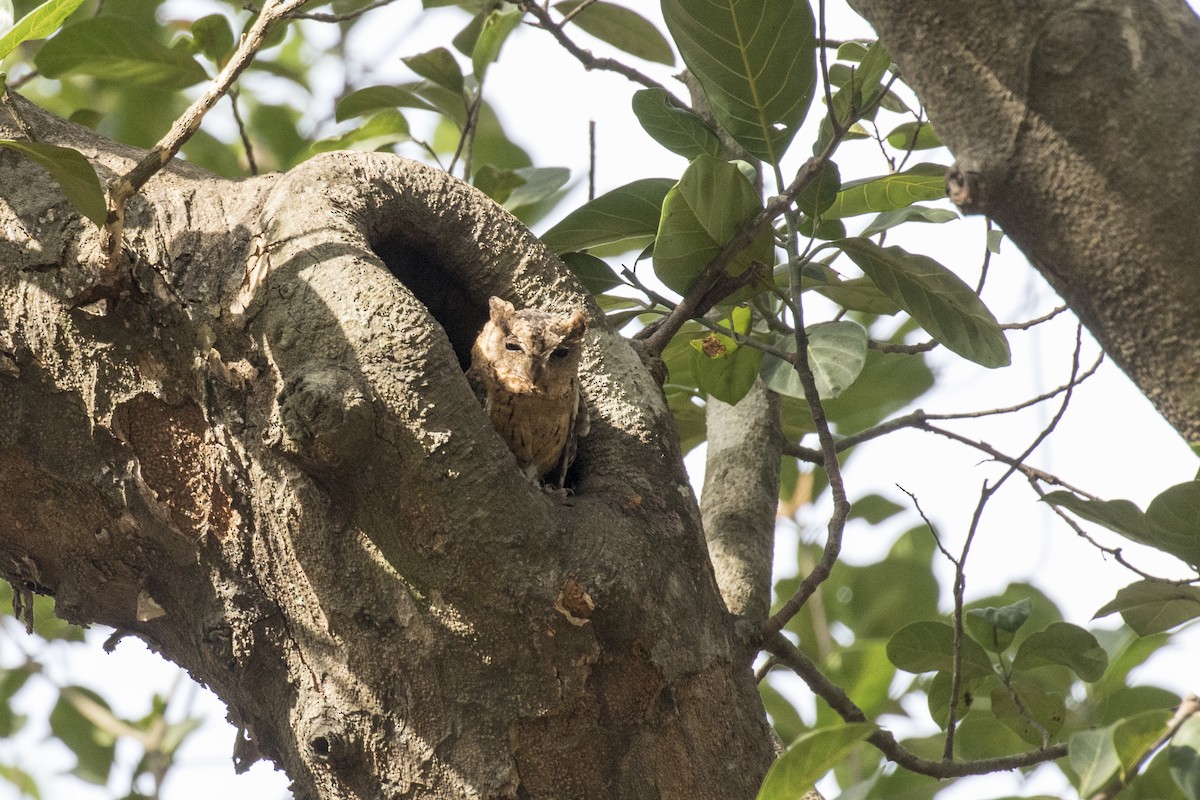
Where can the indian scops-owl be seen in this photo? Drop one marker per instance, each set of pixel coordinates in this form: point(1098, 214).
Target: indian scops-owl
point(525, 371)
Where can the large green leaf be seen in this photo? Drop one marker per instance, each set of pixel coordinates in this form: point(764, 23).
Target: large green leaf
point(1063, 644)
point(674, 127)
point(711, 203)
point(496, 28)
point(378, 98)
point(1134, 738)
point(1045, 708)
point(624, 29)
point(385, 128)
point(837, 352)
point(900, 189)
point(37, 24)
point(1174, 517)
point(437, 65)
point(937, 299)
point(809, 758)
point(755, 60)
point(73, 725)
point(723, 368)
point(214, 37)
point(1172, 523)
point(1152, 607)
point(118, 50)
point(73, 173)
point(630, 212)
point(898, 216)
point(929, 645)
point(1093, 758)
point(1183, 754)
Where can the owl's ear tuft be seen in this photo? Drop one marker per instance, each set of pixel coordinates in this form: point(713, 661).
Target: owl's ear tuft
point(573, 326)
point(500, 309)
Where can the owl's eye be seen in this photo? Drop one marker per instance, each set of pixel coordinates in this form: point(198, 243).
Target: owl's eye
point(559, 352)
point(512, 347)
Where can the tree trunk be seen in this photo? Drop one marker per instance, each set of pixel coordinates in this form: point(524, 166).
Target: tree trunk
point(1074, 125)
point(260, 455)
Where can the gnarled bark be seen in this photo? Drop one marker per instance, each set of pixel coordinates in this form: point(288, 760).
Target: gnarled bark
point(261, 456)
point(1074, 125)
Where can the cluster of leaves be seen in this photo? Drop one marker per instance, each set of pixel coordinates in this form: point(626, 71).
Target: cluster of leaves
point(81, 719)
point(748, 264)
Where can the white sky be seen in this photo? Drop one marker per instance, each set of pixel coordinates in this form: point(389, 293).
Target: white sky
point(546, 100)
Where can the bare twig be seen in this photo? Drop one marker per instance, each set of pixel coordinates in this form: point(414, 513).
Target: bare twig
point(317, 16)
point(585, 57)
point(120, 189)
point(241, 126)
point(960, 565)
point(924, 347)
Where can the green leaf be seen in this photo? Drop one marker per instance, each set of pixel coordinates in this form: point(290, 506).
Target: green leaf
point(630, 212)
point(439, 66)
point(1045, 708)
point(913, 136)
point(1183, 755)
point(815, 198)
point(73, 173)
point(37, 24)
point(1093, 758)
point(1173, 527)
point(994, 238)
point(809, 758)
point(674, 127)
point(755, 60)
point(837, 352)
point(21, 780)
point(900, 189)
point(94, 748)
point(928, 646)
point(1066, 645)
point(1152, 607)
point(859, 294)
point(625, 30)
point(378, 98)
point(723, 368)
point(595, 275)
point(496, 28)
point(890, 219)
point(1174, 517)
point(994, 627)
point(1134, 738)
point(117, 49)
point(938, 695)
point(711, 203)
point(214, 37)
point(937, 299)
point(537, 184)
point(381, 130)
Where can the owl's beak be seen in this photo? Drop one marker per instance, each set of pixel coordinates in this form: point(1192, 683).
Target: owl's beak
point(532, 373)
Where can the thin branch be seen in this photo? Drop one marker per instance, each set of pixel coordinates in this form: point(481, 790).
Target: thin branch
point(920, 420)
point(790, 656)
point(584, 57)
point(317, 16)
point(960, 566)
point(122, 188)
point(241, 126)
point(925, 347)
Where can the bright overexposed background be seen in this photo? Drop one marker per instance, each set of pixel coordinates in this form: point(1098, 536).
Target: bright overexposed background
point(546, 101)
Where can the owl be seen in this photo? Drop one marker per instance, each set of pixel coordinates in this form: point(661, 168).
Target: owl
point(525, 371)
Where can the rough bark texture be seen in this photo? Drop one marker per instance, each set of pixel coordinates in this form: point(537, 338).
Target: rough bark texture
point(262, 457)
point(1074, 125)
point(741, 492)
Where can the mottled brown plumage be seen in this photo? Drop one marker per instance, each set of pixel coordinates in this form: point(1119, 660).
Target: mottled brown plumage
point(525, 370)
